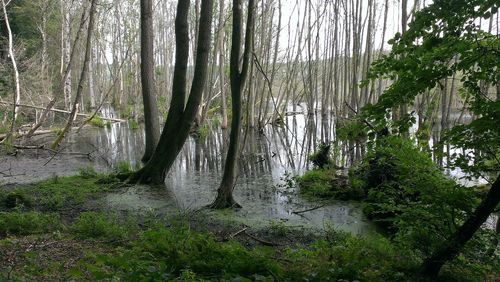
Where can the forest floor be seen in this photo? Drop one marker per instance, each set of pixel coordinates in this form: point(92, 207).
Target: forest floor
point(44, 234)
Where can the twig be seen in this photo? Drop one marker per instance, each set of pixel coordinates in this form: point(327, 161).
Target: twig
point(263, 242)
point(308, 210)
point(238, 233)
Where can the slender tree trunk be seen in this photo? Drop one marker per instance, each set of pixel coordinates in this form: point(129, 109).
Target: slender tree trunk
point(452, 247)
point(181, 115)
point(225, 192)
point(17, 93)
point(151, 118)
point(64, 76)
point(83, 74)
point(67, 53)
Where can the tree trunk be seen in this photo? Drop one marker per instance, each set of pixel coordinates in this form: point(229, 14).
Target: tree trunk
point(225, 192)
point(17, 93)
point(151, 118)
point(452, 247)
point(65, 73)
point(180, 118)
point(88, 49)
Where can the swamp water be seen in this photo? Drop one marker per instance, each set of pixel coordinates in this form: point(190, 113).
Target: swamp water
point(268, 159)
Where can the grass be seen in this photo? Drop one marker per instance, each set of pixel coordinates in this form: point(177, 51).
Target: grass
point(57, 193)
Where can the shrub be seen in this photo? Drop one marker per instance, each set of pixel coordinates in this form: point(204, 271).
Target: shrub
point(165, 254)
point(325, 183)
point(344, 257)
point(321, 157)
point(408, 194)
point(16, 199)
point(98, 122)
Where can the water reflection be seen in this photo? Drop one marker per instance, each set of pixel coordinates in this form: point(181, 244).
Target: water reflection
point(264, 160)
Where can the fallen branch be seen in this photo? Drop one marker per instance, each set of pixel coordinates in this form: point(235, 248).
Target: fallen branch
point(63, 111)
point(308, 210)
point(238, 233)
point(263, 242)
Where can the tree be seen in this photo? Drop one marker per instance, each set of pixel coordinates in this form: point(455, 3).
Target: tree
point(152, 124)
point(17, 93)
point(237, 78)
point(443, 40)
point(181, 115)
point(83, 75)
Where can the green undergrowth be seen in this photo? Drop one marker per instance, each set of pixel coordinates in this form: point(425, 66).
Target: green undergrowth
point(326, 184)
point(57, 193)
point(38, 244)
point(98, 122)
point(403, 191)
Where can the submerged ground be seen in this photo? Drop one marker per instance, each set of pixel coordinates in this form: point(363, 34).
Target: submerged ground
point(64, 217)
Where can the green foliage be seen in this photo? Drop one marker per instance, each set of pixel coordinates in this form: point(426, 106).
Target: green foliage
point(444, 39)
point(15, 199)
point(26, 223)
point(407, 193)
point(344, 257)
point(203, 131)
point(326, 183)
point(133, 124)
point(64, 192)
point(123, 167)
point(87, 172)
point(352, 131)
point(165, 254)
point(98, 122)
point(99, 226)
point(321, 157)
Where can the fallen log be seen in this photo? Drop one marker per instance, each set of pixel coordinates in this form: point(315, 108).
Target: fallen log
point(63, 111)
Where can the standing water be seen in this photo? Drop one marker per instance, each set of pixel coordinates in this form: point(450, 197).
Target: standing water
point(267, 158)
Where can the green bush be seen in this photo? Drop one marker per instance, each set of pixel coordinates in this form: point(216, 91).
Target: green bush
point(321, 157)
point(344, 257)
point(87, 172)
point(98, 122)
point(26, 223)
point(408, 194)
point(325, 183)
point(15, 199)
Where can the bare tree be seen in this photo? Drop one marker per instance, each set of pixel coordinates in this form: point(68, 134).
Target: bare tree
point(17, 93)
point(83, 74)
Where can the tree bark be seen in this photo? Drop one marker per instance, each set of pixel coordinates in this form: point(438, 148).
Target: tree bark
point(225, 192)
point(452, 247)
point(151, 118)
point(180, 118)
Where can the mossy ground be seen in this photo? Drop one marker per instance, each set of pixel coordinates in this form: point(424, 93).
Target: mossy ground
point(49, 232)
